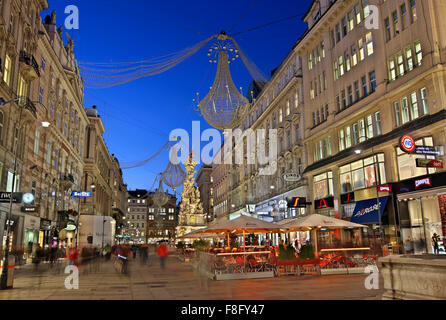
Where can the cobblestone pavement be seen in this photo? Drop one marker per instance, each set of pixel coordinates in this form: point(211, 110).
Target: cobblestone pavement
point(179, 281)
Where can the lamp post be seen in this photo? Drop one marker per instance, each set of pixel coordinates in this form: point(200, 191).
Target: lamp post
point(377, 182)
point(22, 104)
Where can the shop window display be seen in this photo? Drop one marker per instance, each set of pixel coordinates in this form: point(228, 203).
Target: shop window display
point(323, 185)
point(362, 174)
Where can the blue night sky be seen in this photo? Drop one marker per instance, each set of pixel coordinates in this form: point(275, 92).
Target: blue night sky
point(139, 116)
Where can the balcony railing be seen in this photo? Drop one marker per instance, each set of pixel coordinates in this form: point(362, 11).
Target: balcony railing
point(29, 60)
point(67, 177)
point(28, 104)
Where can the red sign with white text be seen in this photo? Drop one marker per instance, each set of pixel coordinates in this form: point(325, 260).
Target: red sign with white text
point(385, 189)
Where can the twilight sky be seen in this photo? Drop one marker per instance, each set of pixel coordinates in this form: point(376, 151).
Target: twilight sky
point(139, 116)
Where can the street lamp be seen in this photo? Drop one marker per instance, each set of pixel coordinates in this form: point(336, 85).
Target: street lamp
point(21, 102)
point(377, 182)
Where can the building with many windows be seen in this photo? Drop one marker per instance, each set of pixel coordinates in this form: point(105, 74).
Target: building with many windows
point(355, 118)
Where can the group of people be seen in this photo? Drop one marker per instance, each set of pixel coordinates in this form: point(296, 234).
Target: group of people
point(127, 252)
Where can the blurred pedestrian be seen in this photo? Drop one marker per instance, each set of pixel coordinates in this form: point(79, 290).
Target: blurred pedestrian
point(134, 249)
point(435, 243)
point(107, 251)
point(38, 257)
point(162, 253)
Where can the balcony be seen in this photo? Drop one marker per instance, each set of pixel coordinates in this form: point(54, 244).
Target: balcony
point(66, 181)
point(30, 106)
point(29, 66)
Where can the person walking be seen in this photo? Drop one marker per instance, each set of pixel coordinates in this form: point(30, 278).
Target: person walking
point(162, 253)
point(435, 243)
point(107, 251)
point(134, 249)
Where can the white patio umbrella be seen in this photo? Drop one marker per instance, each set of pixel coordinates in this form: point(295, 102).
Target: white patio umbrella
point(318, 221)
point(242, 224)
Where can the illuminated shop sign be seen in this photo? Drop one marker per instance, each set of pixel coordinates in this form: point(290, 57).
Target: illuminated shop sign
point(324, 203)
point(407, 143)
point(428, 163)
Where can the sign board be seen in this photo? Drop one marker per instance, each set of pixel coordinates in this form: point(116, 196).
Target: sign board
point(384, 189)
point(429, 150)
point(423, 182)
point(250, 208)
point(324, 203)
point(291, 177)
point(29, 209)
point(369, 211)
point(282, 204)
point(81, 194)
point(347, 198)
point(6, 196)
point(407, 143)
point(429, 163)
point(297, 202)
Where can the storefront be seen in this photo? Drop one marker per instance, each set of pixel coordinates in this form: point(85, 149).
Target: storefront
point(421, 206)
point(31, 227)
point(45, 233)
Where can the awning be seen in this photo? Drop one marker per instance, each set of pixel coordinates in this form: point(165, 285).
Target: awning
point(366, 211)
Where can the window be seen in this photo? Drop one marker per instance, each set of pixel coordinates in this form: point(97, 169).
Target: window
point(392, 70)
point(344, 27)
point(344, 101)
point(350, 95)
point(362, 174)
point(338, 33)
point(56, 158)
point(40, 95)
point(355, 134)
point(58, 120)
point(396, 108)
point(361, 49)
point(7, 71)
point(405, 110)
point(347, 62)
point(325, 80)
point(314, 119)
point(36, 142)
point(369, 127)
point(351, 23)
point(348, 138)
point(354, 56)
point(341, 65)
point(338, 104)
point(357, 93)
point(407, 167)
point(151, 217)
point(418, 53)
point(372, 80)
point(341, 140)
point(310, 61)
point(280, 115)
point(51, 110)
point(388, 31)
point(43, 64)
point(414, 104)
point(409, 59)
point(171, 217)
point(400, 63)
point(358, 14)
point(413, 11)
point(403, 11)
point(425, 105)
point(396, 28)
point(335, 70)
point(10, 180)
point(48, 153)
point(311, 90)
point(369, 43)
point(323, 185)
point(323, 49)
point(362, 134)
point(366, 8)
point(364, 86)
point(378, 123)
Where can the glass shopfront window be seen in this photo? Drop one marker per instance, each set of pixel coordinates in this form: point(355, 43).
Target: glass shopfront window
point(407, 167)
point(362, 174)
point(420, 219)
point(323, 185)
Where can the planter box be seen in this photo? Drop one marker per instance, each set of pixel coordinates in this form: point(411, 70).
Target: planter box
point(242, 276)
point(411, 277)
point(342, 271)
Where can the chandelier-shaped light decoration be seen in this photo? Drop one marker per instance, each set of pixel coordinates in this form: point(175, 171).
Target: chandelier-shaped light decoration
point(159, 197)
point(174, 175)
point(224, 106)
